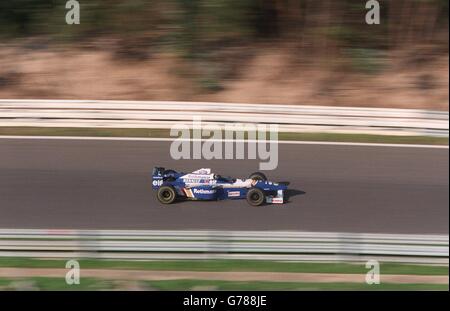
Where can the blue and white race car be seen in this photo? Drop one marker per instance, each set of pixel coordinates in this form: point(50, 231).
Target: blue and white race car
point(204, 185)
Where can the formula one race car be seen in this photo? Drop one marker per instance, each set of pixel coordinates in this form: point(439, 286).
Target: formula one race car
point(204, 185)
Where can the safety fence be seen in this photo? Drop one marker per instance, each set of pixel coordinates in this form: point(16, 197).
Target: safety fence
point(268, 245)
point(160, 114)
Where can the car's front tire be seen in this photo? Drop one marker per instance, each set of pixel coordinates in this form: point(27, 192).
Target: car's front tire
point(166, 195)
point(255, 197)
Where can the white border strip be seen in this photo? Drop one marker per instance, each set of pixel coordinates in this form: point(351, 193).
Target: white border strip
point(287, 142)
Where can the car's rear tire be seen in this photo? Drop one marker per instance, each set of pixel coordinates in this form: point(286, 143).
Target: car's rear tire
point(166, 195)
point(255, 197)
point(258, 176)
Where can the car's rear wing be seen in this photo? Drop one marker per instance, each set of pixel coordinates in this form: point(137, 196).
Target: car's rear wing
point(157, 177)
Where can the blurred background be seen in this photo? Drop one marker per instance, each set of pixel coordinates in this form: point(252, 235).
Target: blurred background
point(311, 52)
point(92, 200)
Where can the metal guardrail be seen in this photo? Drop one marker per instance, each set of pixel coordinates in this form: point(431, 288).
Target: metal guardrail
point(270, 245)
point(160, 114)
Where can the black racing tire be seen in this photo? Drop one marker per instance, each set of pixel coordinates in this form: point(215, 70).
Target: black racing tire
point(166, 195)
point(258, 176)
point(255, 197)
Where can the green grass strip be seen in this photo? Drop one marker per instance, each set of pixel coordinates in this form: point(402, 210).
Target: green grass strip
point(92, 284)
point(228, 265)
point(165, 133)
point(261, 286)
point(52, 284)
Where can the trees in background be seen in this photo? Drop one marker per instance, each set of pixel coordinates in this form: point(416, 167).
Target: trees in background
point(312, 22)
point(201, 29)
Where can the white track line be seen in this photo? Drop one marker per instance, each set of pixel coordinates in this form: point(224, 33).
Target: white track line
point(287, 142)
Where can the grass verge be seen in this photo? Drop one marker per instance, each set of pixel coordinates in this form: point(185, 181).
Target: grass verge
point(261, 286)
point(227, 265)
point(165, 133)
point(45, 284)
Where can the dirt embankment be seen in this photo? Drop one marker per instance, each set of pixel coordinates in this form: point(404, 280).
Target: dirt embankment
point(404, 79)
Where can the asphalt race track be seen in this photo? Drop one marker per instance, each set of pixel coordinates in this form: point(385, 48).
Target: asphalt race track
point(101, 184)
